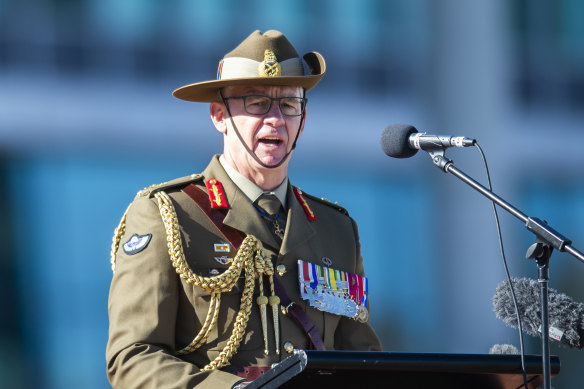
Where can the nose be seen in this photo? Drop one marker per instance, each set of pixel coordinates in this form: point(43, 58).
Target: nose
point(274, 115)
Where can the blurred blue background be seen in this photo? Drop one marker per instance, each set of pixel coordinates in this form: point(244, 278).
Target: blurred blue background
point(87, 119)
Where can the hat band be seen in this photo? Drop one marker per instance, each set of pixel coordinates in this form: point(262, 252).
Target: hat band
point(239, 67)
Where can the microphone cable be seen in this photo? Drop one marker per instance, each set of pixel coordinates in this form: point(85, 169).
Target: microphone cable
point(519, 327)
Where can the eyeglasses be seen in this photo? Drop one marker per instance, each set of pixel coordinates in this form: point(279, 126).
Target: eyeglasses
point(260, 105)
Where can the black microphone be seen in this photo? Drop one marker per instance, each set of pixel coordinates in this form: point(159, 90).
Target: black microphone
point(566, 317)
point(404, 141)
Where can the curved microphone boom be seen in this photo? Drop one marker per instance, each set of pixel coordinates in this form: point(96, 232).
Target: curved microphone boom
point(566, 317)
point(404, 141)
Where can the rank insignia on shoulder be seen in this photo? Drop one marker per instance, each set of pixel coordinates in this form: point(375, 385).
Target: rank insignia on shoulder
point(150, 190)
point(136, 243)
point(216, 194)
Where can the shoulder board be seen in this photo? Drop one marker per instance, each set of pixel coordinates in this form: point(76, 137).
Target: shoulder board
point(327, 202)
point(149, 191)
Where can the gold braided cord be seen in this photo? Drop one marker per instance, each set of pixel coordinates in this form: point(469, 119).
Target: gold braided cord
point(240, 321)
point(221, 283)
point(210, 322)
point(118, 233)
point(249, 258)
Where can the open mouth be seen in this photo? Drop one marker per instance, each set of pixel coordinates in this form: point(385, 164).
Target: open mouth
point(270, 141)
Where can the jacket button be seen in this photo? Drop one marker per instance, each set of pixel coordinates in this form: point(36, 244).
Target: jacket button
point(281, 269)
point(289, 347)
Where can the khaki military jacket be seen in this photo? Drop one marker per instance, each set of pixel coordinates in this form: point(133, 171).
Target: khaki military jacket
point(154, 313)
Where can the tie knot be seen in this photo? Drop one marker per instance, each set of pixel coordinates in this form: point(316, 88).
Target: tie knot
point(269, 203)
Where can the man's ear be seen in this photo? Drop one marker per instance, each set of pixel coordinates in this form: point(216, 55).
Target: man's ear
point(219, 116)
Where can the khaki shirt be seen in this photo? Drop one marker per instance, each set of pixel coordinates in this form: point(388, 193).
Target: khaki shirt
point(154, 313)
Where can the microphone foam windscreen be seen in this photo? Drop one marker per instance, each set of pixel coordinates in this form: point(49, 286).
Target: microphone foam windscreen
point(395, 140)
point(565, 314)
point(503, 349)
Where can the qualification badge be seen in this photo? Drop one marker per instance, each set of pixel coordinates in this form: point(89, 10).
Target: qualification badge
point(136, 243)
point(269, 67)
point(334, 291)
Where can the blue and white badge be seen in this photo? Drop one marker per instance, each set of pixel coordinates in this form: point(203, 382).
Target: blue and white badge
point(136, 243)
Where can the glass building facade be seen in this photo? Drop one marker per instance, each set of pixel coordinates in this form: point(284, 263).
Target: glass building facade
point(87, 120)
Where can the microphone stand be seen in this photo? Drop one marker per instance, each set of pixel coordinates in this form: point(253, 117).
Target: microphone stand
point(546, 240)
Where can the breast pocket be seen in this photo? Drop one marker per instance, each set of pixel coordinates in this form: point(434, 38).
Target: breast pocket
point(230, 305)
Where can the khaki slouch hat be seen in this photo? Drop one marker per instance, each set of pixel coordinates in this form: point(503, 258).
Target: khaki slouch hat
point(261, 59)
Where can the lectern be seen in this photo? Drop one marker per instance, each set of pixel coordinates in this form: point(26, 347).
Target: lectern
point(361, 369)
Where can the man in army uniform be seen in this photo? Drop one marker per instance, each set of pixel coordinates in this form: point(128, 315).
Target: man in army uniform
point(208, 284)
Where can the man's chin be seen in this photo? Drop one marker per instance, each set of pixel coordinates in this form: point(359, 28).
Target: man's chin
point(271, 161)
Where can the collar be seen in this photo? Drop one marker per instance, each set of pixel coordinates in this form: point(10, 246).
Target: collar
point(250, 189)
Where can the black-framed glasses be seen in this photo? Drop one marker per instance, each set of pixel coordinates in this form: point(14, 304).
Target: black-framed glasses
point(260, 105)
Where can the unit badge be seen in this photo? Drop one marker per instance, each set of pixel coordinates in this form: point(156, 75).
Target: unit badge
point(269, 67)
point(136, 243)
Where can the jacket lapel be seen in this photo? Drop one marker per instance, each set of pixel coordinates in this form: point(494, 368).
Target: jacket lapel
point(298, 228)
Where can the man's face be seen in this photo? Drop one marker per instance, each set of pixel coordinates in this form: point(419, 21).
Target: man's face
point(270, 136)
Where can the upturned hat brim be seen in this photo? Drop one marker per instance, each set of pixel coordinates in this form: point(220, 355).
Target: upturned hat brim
point(313, 64)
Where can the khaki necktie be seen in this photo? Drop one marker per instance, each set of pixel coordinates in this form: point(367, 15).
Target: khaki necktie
point(274, 214)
